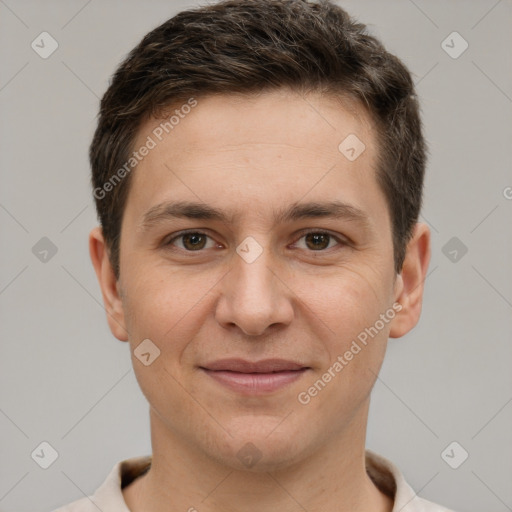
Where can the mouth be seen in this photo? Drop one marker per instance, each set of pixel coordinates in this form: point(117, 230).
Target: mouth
point(257, 377)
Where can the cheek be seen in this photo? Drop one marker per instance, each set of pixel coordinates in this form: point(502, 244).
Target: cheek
point(156, 300)
point(167, 315)
point(355, 344)
point(350, 301)
point(168, 308)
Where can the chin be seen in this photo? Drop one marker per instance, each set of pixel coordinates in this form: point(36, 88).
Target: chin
point(262, 447)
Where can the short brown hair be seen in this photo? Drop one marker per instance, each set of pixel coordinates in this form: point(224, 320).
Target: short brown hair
point(247, 46)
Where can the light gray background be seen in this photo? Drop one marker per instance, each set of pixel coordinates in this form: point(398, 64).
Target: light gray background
point(65, 379)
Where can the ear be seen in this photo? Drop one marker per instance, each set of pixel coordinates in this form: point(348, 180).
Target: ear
point(409, 283)
point(108, 284)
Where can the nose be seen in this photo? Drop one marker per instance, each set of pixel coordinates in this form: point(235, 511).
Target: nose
point(254, 296)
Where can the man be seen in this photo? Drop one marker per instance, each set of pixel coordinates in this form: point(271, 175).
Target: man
point(258, 170)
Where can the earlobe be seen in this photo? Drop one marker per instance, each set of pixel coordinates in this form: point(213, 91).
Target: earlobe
point(410, 282)
point(108, 283)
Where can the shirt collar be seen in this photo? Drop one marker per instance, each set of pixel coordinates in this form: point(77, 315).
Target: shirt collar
point(386, 476)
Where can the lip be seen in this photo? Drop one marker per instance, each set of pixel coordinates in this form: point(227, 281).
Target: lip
point(243, 366)
point(248, 377)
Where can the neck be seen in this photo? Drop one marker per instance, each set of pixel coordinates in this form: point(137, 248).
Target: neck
point(333, 478)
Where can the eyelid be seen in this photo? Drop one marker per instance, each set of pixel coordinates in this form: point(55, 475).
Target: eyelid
point(341, 240)
point(167, 241)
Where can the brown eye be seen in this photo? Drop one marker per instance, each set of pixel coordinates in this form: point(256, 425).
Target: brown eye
point(192, 241)
point(317, 241)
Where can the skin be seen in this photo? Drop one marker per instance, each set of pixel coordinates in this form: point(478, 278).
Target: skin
point(251, 156)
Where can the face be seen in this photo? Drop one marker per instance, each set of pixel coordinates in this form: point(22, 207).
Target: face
point(257, 257)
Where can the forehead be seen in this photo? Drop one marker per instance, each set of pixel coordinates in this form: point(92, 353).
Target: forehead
point(272, 146)
point(272, 117)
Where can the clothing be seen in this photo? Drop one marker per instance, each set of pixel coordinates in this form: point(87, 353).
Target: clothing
point(386, 476)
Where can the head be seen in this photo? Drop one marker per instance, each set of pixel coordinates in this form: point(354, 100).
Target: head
point(297, 138)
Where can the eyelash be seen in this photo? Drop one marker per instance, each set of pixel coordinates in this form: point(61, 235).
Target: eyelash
point(339, 240)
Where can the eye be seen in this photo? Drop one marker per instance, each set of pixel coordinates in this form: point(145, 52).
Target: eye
point(319, 240)
point(191, 241)
point(195, 241)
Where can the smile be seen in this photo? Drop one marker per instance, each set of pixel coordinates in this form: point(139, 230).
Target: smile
point(254, 377)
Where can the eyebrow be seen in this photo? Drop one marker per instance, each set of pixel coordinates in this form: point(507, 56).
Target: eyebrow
point(297, 211)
